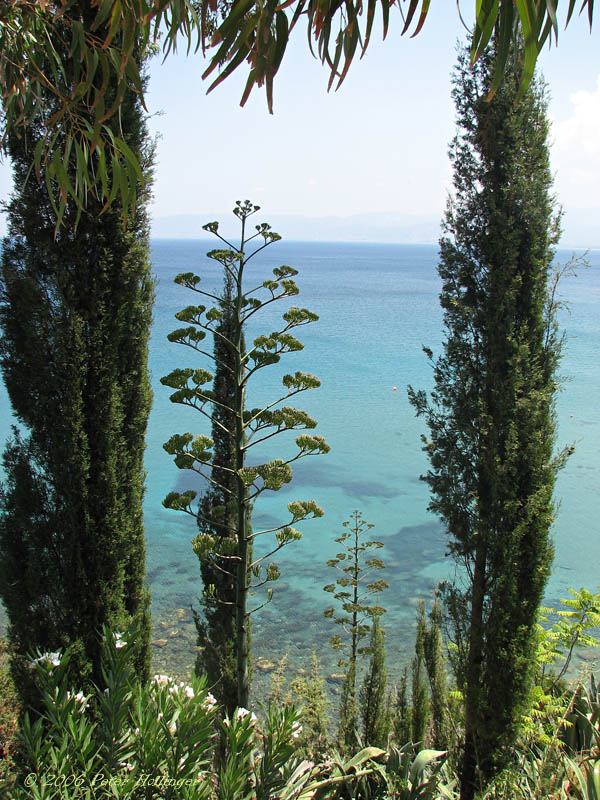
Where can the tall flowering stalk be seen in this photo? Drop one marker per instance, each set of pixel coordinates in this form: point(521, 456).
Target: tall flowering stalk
point(231, 553)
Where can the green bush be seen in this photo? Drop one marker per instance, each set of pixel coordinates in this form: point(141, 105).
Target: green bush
point(9, 714)
point(129, 741)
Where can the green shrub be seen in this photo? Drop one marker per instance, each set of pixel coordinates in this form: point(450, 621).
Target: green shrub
point(163, 741)
point(9, 714)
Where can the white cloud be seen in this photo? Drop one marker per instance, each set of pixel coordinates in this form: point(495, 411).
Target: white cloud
point(580, 131)
point(576, 151)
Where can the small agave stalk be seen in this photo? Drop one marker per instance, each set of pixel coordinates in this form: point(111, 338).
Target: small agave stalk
point(233, 555)
point(352, 589)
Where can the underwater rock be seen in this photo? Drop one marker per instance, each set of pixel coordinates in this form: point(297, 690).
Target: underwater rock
point(336, 677)
point(160, 642)
point(264, 665)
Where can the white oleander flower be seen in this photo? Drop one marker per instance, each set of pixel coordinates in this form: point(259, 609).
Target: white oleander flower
point(210, 701)
point(119, 642)
point(296, 730)
point(243, 712)
point(79, 698)
point(189, 692)
point(47, 658)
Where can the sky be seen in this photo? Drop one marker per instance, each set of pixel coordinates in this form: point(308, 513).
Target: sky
point(377, 146)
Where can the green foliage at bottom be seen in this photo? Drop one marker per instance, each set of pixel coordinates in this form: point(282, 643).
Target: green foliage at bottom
point(9, 713)
point(373, 694)
point(309, 692)
point(164, 741)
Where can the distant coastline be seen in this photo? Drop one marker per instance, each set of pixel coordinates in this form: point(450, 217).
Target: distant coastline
point(581, 228)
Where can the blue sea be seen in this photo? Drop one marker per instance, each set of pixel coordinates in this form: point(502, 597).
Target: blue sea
point(377, 307)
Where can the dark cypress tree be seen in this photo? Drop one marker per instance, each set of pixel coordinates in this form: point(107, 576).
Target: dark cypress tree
point(420, 712)
point(75, 312)
point(217, 516)
point(401, 711)
point(433, 650)
point(233, 553)
point(490, 418)
point(373, 696)
point(347, 735)
point(352, 590)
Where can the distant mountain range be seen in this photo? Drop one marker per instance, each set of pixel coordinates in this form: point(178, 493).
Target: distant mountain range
point(581, 227)
point(374, 227)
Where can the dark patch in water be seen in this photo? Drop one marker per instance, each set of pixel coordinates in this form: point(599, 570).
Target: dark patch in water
point(410, 541)
point(261, 521)
point(322, 475)
point(153, 574)
point(369, 489)
point(188, 480)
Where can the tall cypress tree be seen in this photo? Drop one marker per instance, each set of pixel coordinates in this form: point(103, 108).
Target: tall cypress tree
point(233, 553)
point(420, 712)
point(75, 312)
point(373, 696)
point(433, 650)
point(217, 516)
point(490, 416)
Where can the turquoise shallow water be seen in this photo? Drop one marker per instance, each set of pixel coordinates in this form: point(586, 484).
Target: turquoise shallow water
point(378, 304)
